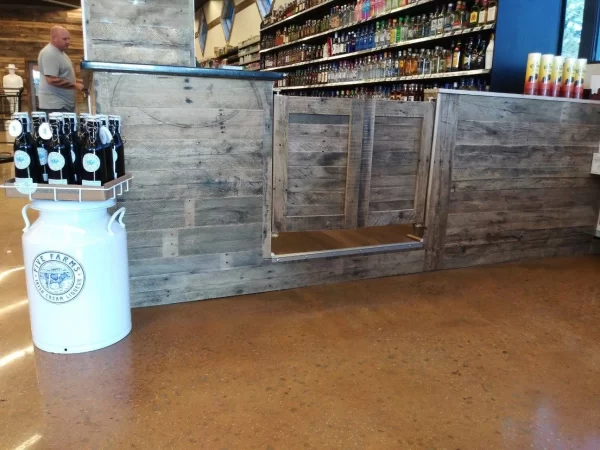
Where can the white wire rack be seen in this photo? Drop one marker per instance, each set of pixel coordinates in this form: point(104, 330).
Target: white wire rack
point(69, 192)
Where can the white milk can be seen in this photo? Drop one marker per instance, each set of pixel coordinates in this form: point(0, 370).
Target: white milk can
point(77, 275)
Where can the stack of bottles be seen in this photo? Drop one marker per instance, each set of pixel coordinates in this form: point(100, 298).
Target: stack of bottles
point(399, 92)
point(290, 9)
point(555, 76)
point(476, 54)
point(62, 149)
point(388, 31)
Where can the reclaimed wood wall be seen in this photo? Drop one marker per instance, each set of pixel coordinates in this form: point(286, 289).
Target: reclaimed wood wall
point(511, 180)
point(199, 214)
point(341, 164)
point(25, 30)
point(144, 32)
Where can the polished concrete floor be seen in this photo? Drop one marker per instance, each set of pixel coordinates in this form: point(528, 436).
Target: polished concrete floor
point(501, 357)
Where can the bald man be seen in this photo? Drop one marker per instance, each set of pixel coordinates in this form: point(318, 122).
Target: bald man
point(58, 85)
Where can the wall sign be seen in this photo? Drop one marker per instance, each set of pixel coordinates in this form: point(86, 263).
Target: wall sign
point(202, 31)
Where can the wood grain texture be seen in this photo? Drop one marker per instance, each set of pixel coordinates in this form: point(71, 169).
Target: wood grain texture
point(154, 32)
point(280, 166)
point(440, 179)
point(353, 181)
point(366, 163)
point(265, 93)
point(424, 163)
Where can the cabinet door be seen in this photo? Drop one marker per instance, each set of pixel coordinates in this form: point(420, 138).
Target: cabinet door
point(316, 163)
point(395, 162)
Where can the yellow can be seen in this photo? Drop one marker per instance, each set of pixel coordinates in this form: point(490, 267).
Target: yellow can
point(545, 81)
point(568, 79)
point(533, 73)
point(557, 73)
point(580, 69)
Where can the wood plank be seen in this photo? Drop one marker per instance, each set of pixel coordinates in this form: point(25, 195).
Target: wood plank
point(522, 200)
point(308, 185)
point(280, 157)
point(315, 210)
point(424, 163)
point(392, 205)
point(317, 173)
point(578, 113)
point(522, 220)
point(331, 159)
point(524, 183)
point(321, 144)
point(491, 173)
point(505, 109)
point(315, 198)
point(139, 54)
point(525, 133)
point(209, 189)
point(366, 163)
point(266, 96)
point(318, 119)
point(520, 156)
point(215, 164)
point(213, 173)
point(386, 159)
point(320, 106)
point(313, 223)
point(404, 143)
point(301, 131)
point(479, 250)
point(486, 237)
point(397, 171)
point(436, 219)
point(381, 218)
point(351, 197)
point(220, 239)
point(129, 34)
point(394, 181)
point(392, 193)
point(387, 108)
point(138, 149)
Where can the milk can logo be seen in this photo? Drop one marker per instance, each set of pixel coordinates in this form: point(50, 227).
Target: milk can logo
point(58, 277)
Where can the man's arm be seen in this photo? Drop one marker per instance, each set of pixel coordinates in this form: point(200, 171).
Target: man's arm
point(64, 84)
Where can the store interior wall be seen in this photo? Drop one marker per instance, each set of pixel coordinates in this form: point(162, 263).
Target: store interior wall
point(246, 24)
point(25, 30)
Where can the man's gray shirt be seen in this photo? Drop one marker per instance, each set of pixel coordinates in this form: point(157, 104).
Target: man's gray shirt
point(55, 63)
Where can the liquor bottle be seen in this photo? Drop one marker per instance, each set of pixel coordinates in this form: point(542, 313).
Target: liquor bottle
point(489, 53)
point(72, 142)
point(449, 19)
point(94, 163)
point(479, 60)
point(60, 160)
point(107, 139)
point(492, 11)
point(440, 21)
point(42, 145)
point(457, 20)
point(114, 124)
point(483, 13)
point(467, 57)
point(26, 159)
point(474, 15)
point(457, 57)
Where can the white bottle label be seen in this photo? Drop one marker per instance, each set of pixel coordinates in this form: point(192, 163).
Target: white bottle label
point(45, 132)
point(105, 135)
point(22, 160)
point(45, 176)
point(115, 155)
point(57, 181)
point(56, 161)
point(15, 128)
point(73, 157)
point(491, 15)
point(91, 162)
point(43, 155)
point(90, 183)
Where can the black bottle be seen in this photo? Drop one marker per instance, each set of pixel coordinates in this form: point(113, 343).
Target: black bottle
point(43, 145)
point(106, 139)
point(26, 159)
point(72, 143)
point(93, 161)
point(60, 160)
point(114, 125)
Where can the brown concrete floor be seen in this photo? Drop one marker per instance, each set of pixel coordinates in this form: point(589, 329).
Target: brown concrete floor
point(502, 357)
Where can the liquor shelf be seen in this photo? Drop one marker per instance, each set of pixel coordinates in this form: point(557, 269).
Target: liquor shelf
point(299, 14)
point(383, 48)
point(249, 62)
point(463, 73)
point(345, 27)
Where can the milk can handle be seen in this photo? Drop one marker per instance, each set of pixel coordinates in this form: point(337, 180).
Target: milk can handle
point(25, 218)
point(118, 213)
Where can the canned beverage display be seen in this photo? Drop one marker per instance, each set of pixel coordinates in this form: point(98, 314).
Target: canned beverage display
point(533, 73)
point(557, 73)
point(580, 68)
point(568, 81)
point(545, 80)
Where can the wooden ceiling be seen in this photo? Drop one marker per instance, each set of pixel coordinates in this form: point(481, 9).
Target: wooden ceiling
point(59, 4)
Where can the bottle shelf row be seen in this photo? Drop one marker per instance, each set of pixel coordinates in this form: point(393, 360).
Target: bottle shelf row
point(463, 73)
point(254, 60)
point(300, 14)
point(383, 48)
point(344, 27)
